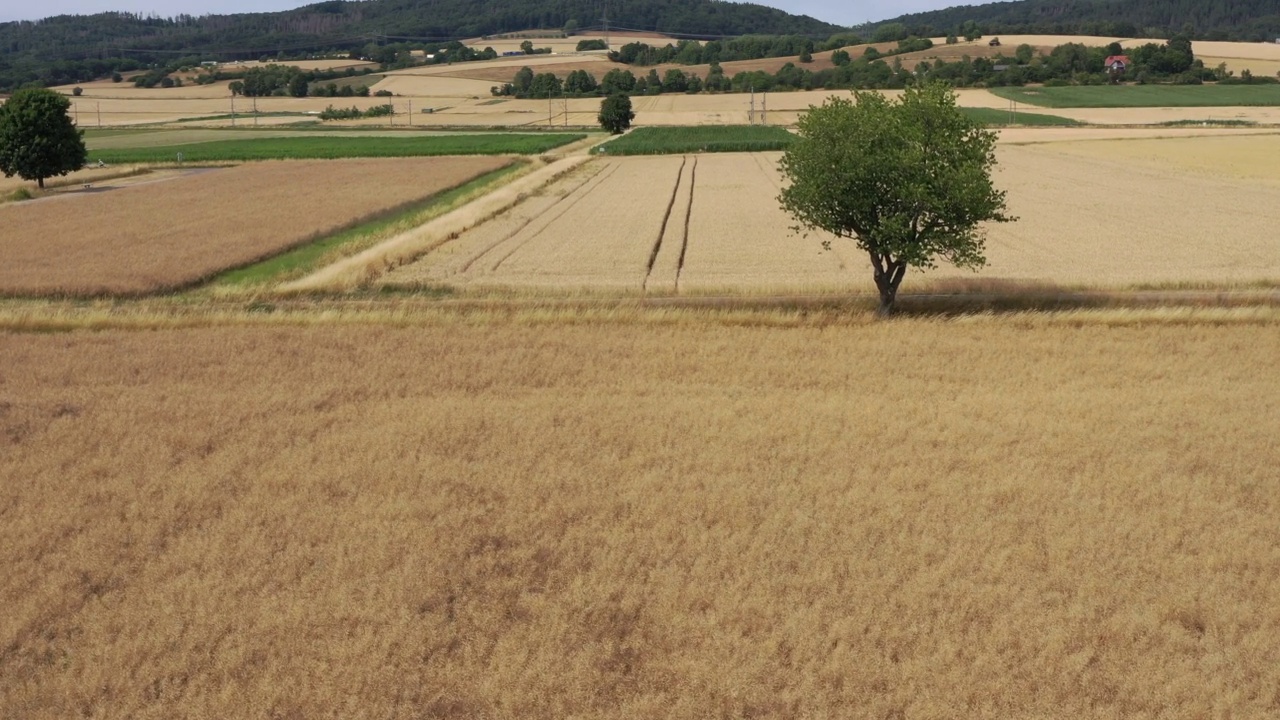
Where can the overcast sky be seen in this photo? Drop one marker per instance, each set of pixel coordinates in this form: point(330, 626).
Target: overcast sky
point(840, 12)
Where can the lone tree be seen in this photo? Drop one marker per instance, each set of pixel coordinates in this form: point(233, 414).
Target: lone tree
point(37, 138)
point(616, 114)
point(908, 180)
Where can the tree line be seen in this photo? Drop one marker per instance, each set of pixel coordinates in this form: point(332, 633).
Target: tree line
point(1073, 63)
point(693, 52)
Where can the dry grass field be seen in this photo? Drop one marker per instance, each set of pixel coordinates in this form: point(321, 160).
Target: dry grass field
point(1102, 213)
point(164, 235)
point(991, 518)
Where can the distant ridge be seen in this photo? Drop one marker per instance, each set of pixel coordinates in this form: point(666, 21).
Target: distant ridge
point(30, 51)
point(1249, 20)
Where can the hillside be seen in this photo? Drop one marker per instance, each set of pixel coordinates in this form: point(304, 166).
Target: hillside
point(1251, 20)
point(65, 48)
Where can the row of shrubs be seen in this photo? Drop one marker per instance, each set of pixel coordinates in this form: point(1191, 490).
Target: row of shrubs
point(355, 113)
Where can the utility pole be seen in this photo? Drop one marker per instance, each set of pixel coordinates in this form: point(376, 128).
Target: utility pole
point(233, 110)
point(751, 116)
point(99, 106)
point(764, 110)
point(255, 111)
point(75, 108)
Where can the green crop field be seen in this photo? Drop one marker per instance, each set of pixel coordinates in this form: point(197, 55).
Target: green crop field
point(329, 147)
point(989, 116)
point(1123, 96)
point(674, 140)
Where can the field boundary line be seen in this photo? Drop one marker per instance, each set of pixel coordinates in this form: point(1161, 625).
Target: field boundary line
point(662, 231)
point(360, 268)
point(1076, 308)
point(684, 245)
point(602, 175)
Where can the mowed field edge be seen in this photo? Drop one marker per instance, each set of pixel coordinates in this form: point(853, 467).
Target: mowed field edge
point(901, 519)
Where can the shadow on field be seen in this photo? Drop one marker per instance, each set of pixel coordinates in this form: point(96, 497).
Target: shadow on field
point(957, 296)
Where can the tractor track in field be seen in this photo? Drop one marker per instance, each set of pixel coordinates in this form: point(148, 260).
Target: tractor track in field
point(564, 206)
point(675, 190)
point(684, 244)
point(498, 243)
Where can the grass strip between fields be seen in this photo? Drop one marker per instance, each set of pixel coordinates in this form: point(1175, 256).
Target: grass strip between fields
point(992, 117)
point(314, 255)
point(332, 148)
point(1134, 96)
point(711, 138)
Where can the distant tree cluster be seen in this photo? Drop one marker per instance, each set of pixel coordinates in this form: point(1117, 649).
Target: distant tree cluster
point(355, 113)
point(692, 52)
point(282, 80)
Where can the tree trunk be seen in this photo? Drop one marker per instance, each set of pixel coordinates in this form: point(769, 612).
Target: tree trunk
point(40, 183)
point(888, 275)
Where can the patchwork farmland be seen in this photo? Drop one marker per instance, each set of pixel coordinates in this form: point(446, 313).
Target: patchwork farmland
point(581, 435)
point(1104, 214)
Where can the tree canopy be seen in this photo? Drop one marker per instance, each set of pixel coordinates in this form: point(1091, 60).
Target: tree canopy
point(616, 113)
point(907, 180)
point(37, 138)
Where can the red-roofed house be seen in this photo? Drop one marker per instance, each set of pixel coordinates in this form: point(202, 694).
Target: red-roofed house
point(1117, 63)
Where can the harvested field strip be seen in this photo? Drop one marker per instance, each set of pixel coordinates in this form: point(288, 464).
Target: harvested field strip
point(986, 518)
point(1183, 225)
point(738, 235)
point(533, 230)
point(163, 237)
point(713, 138)
point(360, 269)
point(314, 255)
point(330, 147)
point(604, 237)
point(540, 209)
point(580, 232)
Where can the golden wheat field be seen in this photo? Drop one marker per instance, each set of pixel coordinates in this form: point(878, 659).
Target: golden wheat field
point(1113, 213)
point(991, 518)
point(154, 236)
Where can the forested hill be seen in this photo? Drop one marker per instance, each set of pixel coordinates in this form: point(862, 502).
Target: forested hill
point(1252, 20)
point(30, 51)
